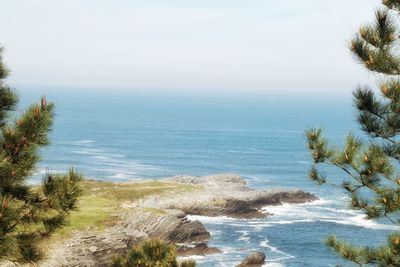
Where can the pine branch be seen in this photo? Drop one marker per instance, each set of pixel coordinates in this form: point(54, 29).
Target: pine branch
point(27, 215)
point(371, 167)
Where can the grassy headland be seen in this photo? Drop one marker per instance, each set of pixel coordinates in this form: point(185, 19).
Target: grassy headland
point(101, 202)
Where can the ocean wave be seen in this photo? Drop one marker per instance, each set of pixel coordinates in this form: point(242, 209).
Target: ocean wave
point(292, 221)
point(87, 151)
point(194, 257)
point(244, 236)
point(317, 211)
point(273, 264)
point(55, 170)
point(303, 162)
point(40, 171)
point(322, 210)
point(84, 142)
point(255, 224)
point(213, 220)
point(121, 176)
point(360, 220)
point(101, 163)
point(275, 250)
point(248, 150)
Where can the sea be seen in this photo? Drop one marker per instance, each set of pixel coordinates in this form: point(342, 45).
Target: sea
point(121, 136)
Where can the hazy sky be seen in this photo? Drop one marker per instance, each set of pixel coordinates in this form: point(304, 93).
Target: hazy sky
point(262, 45)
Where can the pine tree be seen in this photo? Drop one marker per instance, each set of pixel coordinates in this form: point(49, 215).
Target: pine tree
point(372, 167)
point(28, 213)
point(152, 253)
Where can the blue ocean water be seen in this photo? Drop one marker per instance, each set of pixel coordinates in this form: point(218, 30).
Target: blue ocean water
point(125, 136)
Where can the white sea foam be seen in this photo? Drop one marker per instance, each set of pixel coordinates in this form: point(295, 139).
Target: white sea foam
point(247, 150)
point(55, 169)
point(253, 149)
point(88, 151)
point(101, 157)
point(273, 264)
point(293, 221)
point(303, 162)
point(275, 250)
point(109, 164)
point(317, 211)
point(196, 258)
point(244, 236)
point(360, 220)
point(223, 220)
point(264, 244)
point(84, 142)
point(214, 233)
point(213, 220)
point(40, 171)
point(121, 176)
point(255, 224)
point(320, 210)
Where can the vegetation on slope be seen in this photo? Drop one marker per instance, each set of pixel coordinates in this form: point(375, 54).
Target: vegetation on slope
point(152, 253)
point(101, 202)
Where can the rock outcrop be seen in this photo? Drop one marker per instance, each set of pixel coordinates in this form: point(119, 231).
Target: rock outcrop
point(99, 248)
point(171, 225)
point(164, 216)
point(248, 208)
point(225, 195)
point(200, 249)
point(256, 259)
point(189, 231)
point(93, 248)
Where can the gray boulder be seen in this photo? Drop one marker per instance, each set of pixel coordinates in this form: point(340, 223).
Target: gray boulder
point(256, 259)
point(200, 249)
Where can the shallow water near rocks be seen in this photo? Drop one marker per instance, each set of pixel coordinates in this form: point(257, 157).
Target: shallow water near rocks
point(122, 137)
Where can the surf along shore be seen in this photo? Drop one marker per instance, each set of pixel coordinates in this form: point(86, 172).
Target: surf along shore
point(113, 217)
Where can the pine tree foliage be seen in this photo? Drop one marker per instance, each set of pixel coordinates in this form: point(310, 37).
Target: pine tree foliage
point(152, 253)
point(372, 181)
point(28, 214)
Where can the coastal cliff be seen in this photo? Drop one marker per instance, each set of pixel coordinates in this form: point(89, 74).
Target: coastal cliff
point(159, 209)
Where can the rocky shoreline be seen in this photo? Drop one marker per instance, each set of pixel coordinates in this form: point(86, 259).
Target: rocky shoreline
point(165, 216)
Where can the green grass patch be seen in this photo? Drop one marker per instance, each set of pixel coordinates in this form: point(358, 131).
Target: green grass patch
point(133, 191)
point(93, 212)
point(101, 201)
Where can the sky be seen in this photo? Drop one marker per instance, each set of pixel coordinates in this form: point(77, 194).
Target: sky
point(226, 45)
